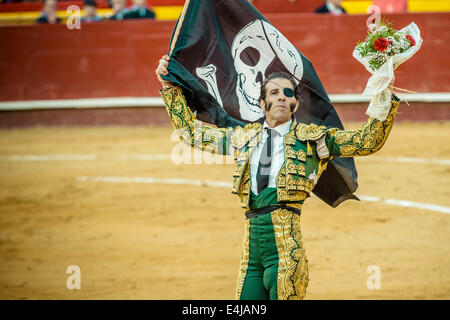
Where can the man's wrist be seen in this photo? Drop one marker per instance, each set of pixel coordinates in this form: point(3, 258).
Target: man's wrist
point(167, 85)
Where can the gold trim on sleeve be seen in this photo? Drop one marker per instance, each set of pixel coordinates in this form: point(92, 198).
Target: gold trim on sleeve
point(364, 141)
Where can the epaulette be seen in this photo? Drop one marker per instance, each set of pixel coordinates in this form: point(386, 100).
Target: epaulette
point(311, 132)
point(242, 135)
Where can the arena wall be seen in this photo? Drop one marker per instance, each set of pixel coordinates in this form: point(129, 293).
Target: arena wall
point(117, 59)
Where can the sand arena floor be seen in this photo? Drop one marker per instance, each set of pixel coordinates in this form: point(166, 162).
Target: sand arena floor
point(136, 240)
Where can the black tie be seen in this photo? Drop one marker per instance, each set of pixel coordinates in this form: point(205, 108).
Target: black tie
point(262, 176)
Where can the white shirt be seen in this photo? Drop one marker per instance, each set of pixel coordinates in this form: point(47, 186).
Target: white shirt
point(277, 138)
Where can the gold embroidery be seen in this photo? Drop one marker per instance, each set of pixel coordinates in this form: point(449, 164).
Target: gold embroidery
point(295, 155)
point(322, 167)
point(351, 149)
point(290, 140)
point(192, 131)
point(237, 177)
point(301, 155)
point(308, 186)
point(290, 195)
point(300, 184)
point(366, 140)
point(243, 135)
point(291, 154)
point(254, 140)
point(281, 180)
point(239, 140)
point(288, 187)
point(312, 132)
point(293, 278)
point(245, 256)
point(244, 187)
point(243, 156)
point(241, 180)
point(296, 169)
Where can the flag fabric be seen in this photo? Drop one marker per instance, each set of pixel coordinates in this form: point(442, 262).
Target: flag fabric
point(222, 50)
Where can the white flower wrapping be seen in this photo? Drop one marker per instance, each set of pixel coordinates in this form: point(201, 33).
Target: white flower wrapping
point(377, 85)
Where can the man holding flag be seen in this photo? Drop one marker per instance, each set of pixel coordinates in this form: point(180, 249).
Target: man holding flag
point(247, 79)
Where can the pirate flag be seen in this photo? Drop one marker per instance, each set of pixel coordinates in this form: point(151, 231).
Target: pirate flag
point(222, 50)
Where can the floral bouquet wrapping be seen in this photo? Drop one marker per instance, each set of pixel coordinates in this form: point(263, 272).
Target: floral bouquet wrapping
point(382, 52)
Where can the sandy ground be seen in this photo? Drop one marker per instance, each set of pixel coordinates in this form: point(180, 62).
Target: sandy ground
point(161, 241)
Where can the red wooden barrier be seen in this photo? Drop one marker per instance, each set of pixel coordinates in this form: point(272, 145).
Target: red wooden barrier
point(112, 59)
point(355, 112)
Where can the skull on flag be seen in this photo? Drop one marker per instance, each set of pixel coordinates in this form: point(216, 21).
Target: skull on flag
point(254, 49)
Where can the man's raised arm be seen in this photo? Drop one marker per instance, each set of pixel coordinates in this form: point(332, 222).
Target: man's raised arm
point(191, 131)
point(363, 141)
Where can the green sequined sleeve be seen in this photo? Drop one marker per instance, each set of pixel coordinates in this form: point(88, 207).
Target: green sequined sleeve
point(364, 141)
point(191, 130)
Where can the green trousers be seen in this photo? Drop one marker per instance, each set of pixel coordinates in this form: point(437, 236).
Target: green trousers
point(273, 264)
point(261, 278)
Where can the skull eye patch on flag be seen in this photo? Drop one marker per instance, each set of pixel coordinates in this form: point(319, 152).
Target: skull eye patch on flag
point(222, 51)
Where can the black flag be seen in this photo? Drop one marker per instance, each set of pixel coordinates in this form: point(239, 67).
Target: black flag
point(222, 50)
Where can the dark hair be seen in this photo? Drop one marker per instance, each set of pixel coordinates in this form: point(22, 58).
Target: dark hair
point(277, 75)
point(90, 3)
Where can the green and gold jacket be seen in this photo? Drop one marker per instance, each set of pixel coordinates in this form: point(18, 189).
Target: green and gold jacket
point(307, 148)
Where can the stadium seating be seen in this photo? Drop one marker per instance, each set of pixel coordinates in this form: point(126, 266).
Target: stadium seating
point(27, 12)
point(360, 6)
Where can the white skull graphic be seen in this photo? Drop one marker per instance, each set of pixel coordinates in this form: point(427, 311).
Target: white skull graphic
point(253, 50)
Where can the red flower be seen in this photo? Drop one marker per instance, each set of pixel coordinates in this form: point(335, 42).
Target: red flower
point(381, 44)
point(411, 39)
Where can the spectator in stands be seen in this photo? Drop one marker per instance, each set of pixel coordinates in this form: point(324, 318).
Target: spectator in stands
point(331, 6)
point(120, 10)
point(390, 6)
point(140, 10)
point(48, 14)
point(90, 12)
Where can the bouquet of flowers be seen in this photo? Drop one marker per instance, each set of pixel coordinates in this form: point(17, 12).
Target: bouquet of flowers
point(381, 53)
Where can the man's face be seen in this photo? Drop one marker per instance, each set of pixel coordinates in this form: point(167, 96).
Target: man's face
point(118, 5)
point(50, 7)
point(277, 106)
point(140, 3)
point(89, 10)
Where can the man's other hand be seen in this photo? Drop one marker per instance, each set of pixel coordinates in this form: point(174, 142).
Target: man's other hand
point(161, 70)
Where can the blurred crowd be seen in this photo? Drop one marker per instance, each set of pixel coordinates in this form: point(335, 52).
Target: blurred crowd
point(331, 7)
point(139, 9)
point(334, 6)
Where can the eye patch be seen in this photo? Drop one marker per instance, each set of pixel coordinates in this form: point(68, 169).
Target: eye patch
point(288, 92)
